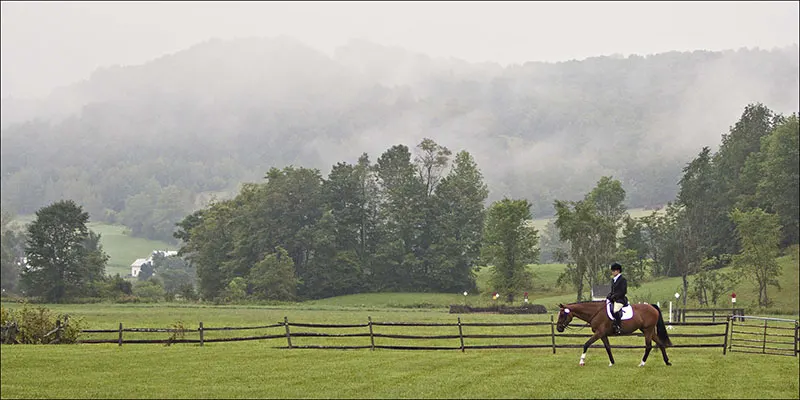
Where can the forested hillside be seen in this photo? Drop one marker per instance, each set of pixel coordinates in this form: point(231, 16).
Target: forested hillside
point(146, 145)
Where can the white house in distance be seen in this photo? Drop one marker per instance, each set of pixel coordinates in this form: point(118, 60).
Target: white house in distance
point(136, 267)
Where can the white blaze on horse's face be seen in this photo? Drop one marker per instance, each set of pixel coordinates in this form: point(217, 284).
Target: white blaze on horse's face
point(566, 311)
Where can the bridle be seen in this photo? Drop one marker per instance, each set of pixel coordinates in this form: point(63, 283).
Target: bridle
point(587, 323)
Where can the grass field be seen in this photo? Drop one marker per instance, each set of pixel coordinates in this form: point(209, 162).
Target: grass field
point(256, 369)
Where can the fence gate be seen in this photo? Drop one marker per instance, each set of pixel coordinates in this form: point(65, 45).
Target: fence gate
point(762, 335)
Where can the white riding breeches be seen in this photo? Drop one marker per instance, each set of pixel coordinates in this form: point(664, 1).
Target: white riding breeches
point(617, 307)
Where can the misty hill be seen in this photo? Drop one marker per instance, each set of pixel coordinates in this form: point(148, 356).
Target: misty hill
point(144, 145)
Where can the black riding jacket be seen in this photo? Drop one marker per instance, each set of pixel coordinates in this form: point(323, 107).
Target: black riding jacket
point(619, 291)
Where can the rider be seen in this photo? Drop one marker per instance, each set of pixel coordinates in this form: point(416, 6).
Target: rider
point(619, 289)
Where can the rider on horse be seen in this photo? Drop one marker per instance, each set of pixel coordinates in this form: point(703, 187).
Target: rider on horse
point(619, 289)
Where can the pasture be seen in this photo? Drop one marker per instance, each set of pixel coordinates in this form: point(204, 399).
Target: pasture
point(257, 369)
point(121, 248)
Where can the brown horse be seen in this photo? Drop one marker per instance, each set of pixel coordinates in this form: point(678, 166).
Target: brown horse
point(646, 317)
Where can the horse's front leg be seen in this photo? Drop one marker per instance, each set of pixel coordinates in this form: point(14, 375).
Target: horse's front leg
point(604, 338)
point(586, 346)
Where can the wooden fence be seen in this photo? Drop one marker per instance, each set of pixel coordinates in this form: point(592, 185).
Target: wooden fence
point(755, 335)
point(707, 313)
point(457, 338)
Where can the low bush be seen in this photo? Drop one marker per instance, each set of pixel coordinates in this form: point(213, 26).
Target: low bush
point(38, 325)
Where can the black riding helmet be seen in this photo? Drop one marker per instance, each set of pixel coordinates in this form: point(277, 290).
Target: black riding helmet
point(616, 267)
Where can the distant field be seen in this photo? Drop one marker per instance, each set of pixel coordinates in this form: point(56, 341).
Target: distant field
point(541, 223)
point(122, 248)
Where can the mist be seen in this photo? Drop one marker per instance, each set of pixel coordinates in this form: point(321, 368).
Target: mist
point(129, 99)
point(46, 45)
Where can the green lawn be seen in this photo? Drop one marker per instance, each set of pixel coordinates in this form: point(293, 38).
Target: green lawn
point(256, 369)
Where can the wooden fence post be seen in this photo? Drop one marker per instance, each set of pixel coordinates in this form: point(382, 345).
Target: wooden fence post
point(371, 338)
point(764, 343)
point(552, 333)
point(288, 335)
point(796, 337)
point(201, 333)
point(460, 334)
point(120, 334)
point(725, 342)
point(58, 331)
point(713, 315)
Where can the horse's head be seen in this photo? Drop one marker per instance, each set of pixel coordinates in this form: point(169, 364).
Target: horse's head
point(564, 318)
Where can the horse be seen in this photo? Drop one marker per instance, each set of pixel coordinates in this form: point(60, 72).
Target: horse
point(646, 317)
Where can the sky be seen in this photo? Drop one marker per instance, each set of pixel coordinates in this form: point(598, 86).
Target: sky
point(45, 45)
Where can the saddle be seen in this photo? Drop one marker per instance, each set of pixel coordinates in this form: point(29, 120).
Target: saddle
point(627, 311)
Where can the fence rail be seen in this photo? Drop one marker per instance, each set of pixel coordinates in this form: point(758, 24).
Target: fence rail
point(290, 331)
point(712, 313)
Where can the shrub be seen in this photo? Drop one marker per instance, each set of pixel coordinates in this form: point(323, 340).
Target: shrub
point(149, 290)
point(38, 326)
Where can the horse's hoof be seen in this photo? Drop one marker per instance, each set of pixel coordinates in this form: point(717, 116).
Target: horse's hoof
point(641, 364)
point(669, 364)
point(610, 364)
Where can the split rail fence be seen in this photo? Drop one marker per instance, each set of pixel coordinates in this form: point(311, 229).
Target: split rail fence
point(452, 336)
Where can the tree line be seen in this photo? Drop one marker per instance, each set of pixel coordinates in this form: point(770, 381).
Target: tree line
point(416, 221)
point(738, 206)
point(407, 222)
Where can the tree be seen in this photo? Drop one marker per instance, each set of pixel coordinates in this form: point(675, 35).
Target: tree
point(208, 241)
point(273, 278)
point(457, 226)
point(431, 162)
point(12, 250)
point(553, 249)
point(402, 211)
point(679, 252)
point(633, 252)
point(709, 284)
point(724, 184)
point(348, 240)
point(759, 236)
point(146, 271)
point(59, 264)
point(174, 272)
point(509, 244)
point(591, 226)
point(779, 186)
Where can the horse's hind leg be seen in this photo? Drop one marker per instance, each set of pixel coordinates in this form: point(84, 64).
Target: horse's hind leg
point(608, 350)
point(648, 337)
point(663, 349)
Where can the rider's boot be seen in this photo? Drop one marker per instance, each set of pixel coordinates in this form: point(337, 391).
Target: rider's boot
point(617, 322)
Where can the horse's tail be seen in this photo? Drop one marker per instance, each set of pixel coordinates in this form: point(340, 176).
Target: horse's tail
point(661, 329)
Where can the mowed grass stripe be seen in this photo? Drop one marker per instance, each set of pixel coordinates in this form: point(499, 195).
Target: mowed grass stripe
point(237, 370)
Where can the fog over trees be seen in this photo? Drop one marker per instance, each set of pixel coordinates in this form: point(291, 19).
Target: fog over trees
point(145, 145)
